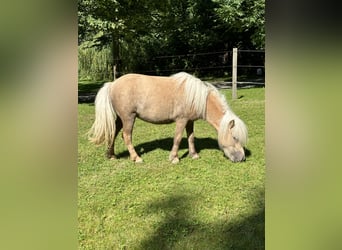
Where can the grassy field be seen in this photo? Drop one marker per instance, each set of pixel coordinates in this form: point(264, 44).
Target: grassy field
point(209, 203)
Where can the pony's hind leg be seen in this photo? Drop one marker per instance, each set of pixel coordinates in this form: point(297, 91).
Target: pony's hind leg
point(127, 136)
point(191, 140)
point(110, 151)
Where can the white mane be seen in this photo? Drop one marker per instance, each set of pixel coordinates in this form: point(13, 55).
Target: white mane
point(239, 130)
point(196, 97)
point(196, 92)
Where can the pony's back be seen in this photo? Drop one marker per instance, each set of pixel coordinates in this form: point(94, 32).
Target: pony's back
point(152, 98)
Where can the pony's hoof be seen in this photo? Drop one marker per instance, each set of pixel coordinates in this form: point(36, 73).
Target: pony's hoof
point(139, 160)
point(195, 156)
point(110, 156)
point(175, 160)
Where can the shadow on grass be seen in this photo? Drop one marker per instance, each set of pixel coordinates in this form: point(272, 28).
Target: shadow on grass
point(166, 144)
point(176, 225)
point(181, 230)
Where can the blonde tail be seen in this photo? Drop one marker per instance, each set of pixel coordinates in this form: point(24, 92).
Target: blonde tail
point(103, 128)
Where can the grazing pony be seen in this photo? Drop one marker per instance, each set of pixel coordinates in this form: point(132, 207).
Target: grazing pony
point(180, 98)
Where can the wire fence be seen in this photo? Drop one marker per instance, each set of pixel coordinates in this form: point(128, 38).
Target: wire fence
point(250, 65)
point(99, 65)
point(217, 67)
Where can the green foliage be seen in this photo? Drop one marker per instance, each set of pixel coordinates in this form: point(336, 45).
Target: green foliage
point(139, 31)
point(94, 64)
point(244, 16)
point(209, 203)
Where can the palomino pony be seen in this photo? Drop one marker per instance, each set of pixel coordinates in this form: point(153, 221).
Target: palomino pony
point(180, 98)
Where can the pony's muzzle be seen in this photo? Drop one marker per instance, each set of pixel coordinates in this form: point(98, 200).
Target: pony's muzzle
point(237, 156)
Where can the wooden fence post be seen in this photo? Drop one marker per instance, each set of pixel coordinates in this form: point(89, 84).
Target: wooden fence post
point(234, 74)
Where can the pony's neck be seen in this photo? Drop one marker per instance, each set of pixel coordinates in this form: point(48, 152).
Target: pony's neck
point(214, 111)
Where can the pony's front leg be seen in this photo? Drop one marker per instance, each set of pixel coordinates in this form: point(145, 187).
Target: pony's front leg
point(180, 125)
point(191, 140)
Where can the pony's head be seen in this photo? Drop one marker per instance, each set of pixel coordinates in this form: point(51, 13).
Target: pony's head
point(232, 137)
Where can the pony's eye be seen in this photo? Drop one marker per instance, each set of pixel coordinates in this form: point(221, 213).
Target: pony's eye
point(235, 138)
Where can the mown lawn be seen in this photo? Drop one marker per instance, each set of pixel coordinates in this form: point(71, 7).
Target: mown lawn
point(209, 203)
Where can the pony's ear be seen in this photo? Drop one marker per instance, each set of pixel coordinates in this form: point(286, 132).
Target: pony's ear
point(231, 124)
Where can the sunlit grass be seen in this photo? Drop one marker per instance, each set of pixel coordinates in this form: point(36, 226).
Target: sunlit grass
point(209, 203)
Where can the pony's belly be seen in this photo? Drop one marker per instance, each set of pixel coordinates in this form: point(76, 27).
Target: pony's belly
point(155, 119)
point(160, 112)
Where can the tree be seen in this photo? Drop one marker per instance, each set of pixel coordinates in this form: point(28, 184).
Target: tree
point(138, 31)
point(244, 16)
point(112, 22)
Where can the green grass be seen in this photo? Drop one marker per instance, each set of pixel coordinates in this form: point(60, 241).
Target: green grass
point(209, 203)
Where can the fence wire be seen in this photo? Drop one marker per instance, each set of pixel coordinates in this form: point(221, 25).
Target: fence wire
point(250, 67)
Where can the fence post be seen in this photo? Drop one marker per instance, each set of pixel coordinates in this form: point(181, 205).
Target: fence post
point(234, 74)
